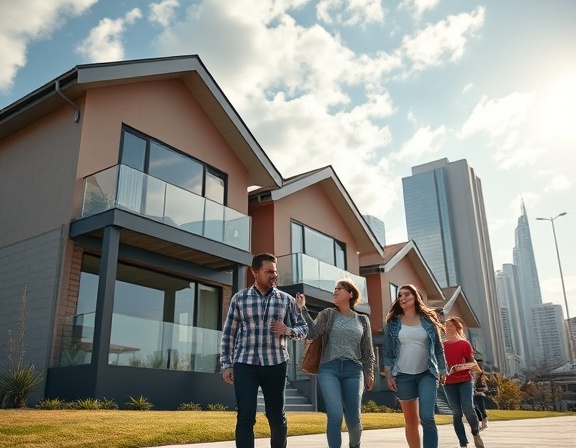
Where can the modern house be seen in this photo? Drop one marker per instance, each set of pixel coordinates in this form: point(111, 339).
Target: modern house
point(124, 215)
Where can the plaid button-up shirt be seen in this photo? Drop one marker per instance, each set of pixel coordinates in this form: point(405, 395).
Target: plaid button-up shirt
point(246, 336)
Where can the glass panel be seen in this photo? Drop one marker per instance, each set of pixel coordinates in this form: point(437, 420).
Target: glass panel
point(296, 238)
point(99, 192)
point(208, 315)
point(214, 225)
point(237, 229)
point(184, 210)
point(130, 188)
point(133, 151)
point(340, 253)
point(318, 245)
point(175, 168)
point(215, 187)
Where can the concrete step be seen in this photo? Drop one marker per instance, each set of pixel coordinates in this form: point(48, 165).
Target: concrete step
point(294, 401)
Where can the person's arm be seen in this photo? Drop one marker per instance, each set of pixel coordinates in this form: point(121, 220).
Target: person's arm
point(388, 357)
point(367, 353)
point(315, 327)
point(229, 332)
point(299, 329)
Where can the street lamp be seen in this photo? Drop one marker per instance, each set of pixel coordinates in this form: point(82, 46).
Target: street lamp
point(570, 344)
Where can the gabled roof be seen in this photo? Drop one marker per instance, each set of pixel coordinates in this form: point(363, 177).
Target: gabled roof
point(456, 295)
point(394, 253)
point(326, 177)
point(189, 69)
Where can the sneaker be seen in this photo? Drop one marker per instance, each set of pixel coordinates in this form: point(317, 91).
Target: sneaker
point(478, 443)
point(484, 423)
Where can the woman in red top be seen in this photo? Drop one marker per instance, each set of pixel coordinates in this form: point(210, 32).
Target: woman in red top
point(459, 385)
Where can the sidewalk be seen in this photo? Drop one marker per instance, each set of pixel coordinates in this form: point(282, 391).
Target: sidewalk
point(553, 432)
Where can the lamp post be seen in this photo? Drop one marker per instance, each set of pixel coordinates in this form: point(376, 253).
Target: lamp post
point(570, 344)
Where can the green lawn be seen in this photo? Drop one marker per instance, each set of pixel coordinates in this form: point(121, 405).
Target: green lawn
point(114, 429)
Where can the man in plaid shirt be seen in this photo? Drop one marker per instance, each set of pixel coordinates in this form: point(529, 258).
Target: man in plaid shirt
point(260, 320)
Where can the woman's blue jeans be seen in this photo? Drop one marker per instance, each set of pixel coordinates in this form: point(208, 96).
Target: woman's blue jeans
point(342, 384)
point(272, 381)
point(422, 386)
point(460, 398)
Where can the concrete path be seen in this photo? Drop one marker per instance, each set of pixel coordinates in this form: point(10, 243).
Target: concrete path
point(553, 432)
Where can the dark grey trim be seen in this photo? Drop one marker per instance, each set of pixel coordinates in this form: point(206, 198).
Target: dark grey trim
point(105, 299)
point(155, 229)
point(158, 260)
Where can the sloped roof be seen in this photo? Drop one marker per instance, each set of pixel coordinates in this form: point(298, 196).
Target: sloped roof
point(189, 69)
point(326, 177)
point(395, 253)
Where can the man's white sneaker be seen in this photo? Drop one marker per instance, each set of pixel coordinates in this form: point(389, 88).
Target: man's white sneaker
point(484, 423)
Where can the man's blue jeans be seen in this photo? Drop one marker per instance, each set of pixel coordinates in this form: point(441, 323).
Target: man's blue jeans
point(422, 386)
point(460, 398)
point(342, 384)
point(272, 381)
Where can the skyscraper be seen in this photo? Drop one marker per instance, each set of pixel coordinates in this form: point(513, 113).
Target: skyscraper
point(528, 283)
point(507, 290)
point(445, 216)
point(377, 227)
point(549, 338)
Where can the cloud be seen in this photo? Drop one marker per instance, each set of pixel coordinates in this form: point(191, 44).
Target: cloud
point(27, 21)
point(418, 7)
point(424, 141)
point(163, 12)
point(468, 87)
point(104, 43)
point(445, 38)
point(350, 12)
point(557, 183)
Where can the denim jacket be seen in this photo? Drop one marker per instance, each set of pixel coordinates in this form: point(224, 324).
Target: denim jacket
point(436, 360)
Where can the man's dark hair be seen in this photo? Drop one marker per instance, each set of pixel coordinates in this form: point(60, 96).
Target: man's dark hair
point(259, 260)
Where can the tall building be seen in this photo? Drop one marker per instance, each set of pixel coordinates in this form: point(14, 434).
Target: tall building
point(507, 291)
point(445, 216)
point(377, 227)
point(549, 339)
point(528, 284)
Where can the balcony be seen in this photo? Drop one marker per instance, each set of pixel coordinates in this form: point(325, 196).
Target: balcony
point(125, 188)
point(302, 269)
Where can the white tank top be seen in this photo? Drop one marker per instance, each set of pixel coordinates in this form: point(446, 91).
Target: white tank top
point(413, 357)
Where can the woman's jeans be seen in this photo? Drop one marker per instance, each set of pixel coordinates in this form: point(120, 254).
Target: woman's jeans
point(422, 386)
point(342, 384)
point(460, 399)
point(272, 381)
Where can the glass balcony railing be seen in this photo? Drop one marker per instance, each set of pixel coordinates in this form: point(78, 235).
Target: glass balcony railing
point(128, 189)
point(301, 268)
point(145, 343)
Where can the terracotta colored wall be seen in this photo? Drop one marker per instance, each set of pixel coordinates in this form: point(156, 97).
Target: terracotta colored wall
point(313, 207)
point(37, 168)
point(166, 111)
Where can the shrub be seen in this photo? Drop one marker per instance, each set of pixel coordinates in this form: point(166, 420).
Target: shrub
point(86, 404)
point(108, 404)
point(18, 380)
point(216, 407)
point(139, 404)
point(190, 407)
point(370, 406)
point(52, 404)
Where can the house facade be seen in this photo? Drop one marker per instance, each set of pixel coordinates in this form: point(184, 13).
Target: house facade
point(124, 211)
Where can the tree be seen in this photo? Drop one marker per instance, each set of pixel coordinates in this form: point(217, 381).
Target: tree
point(504, 392)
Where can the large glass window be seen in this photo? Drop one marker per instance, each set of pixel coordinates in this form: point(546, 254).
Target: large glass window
point(163, 162)
point(159, 320)
point(318, 245)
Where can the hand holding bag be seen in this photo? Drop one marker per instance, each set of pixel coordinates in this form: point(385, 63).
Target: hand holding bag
point(311, 357)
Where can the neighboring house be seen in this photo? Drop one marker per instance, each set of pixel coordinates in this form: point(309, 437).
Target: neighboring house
point(124, 213)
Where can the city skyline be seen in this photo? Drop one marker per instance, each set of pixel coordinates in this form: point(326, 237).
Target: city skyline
point(368, 87)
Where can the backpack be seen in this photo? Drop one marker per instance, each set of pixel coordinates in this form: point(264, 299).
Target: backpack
point(481, 383)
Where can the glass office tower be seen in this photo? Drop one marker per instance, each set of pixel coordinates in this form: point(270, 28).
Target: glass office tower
point(445, 216)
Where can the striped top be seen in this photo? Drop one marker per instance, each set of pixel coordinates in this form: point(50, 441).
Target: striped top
point(246, 336)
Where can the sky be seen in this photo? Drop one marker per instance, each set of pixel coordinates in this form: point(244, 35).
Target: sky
point(370, 87)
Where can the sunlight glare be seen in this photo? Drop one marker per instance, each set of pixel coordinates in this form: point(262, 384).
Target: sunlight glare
point(559, 111)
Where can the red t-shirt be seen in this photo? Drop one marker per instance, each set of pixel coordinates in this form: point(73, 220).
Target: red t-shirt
point(458, 352)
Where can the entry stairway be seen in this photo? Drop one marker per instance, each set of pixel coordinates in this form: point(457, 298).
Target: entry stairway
point(295, 401)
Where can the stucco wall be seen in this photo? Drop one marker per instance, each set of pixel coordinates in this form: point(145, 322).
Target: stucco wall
point(166, 111)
